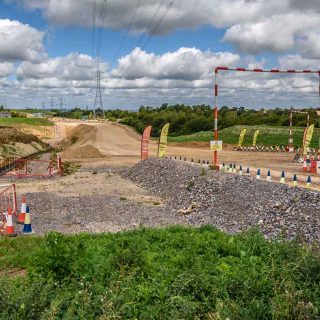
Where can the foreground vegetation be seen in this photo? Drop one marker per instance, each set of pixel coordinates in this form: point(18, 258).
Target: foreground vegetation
point(269, 136)
point(174, 273)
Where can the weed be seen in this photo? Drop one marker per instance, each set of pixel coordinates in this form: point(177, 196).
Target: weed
point(190, 185)
point(202, 172)
point(69, 168)
point(123, 198)
point(168, 273)
point(156, 203)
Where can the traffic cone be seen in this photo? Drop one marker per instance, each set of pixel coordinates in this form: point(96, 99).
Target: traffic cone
point(269, 176)
point(258, 174)
point(234, 169)
point(283, 179)
point(309, 182)
point(23, 210)
point(223, 169)
point(248, 171)
point(295, 180)
point(240, 171)
point(27, 228)
point(9, 227)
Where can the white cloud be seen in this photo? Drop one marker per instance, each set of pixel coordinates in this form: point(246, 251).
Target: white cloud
point(275, 34)
point(73, 67)
point(20, 41)
point(6, 69)
point(295, 61)
point(188, 64)
point(253, 26)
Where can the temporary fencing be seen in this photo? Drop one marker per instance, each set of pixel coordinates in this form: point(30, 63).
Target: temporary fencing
point(8, 200)
point(34, 168)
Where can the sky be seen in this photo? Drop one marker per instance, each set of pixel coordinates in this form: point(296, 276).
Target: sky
point(151, 52)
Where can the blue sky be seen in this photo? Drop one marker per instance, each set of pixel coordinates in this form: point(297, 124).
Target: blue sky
point(46, 50)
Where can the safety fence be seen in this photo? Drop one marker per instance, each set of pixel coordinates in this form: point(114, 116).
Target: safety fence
point(8, 199)
point(21, 168)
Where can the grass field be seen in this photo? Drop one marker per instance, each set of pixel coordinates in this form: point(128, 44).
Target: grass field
point(25, 121)
point(173, 273)
point(268, 136)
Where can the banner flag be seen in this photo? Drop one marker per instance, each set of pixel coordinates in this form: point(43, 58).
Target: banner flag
point(307, 139)
point(145, 143)
point(163, 141)
point(241, 137)
point(255, 137)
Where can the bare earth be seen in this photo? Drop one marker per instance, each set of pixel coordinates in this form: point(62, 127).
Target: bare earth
point(119, 145)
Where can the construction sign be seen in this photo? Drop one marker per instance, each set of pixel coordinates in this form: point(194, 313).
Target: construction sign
point(255, 137)
point(163, 141)
point(241, 137)
point(216, 145)
point(145, 143)
point(307, 139)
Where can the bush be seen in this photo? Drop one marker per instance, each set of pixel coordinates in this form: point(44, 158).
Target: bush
point(172, 273)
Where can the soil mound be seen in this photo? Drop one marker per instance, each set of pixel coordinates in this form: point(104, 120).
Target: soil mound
point(85, 152)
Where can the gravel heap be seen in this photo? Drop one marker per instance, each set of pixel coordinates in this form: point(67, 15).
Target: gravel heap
point(229, 201)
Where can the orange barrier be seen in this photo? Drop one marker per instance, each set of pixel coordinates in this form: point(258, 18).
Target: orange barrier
point(35, 168)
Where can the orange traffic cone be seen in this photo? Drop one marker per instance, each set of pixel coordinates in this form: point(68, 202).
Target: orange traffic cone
point(9, 227)
point(23, 210)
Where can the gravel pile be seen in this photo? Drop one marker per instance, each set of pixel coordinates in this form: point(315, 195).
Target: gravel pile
point(230, 202)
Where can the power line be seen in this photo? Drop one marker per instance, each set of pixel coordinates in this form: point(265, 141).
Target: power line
point(128, 30)
point(152, 33)
point(151, 21)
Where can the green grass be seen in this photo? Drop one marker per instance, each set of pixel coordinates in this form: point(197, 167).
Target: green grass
point(173, 273)
point(268, 136)
point(27, 121)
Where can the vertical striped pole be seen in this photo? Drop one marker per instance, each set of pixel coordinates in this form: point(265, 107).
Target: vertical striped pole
point(290, 137)
point(215, 153)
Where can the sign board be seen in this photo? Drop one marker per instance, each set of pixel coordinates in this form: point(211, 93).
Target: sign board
point(216, 145)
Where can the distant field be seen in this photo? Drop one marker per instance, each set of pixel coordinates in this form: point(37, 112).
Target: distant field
point(27, 121)
point(268, 136)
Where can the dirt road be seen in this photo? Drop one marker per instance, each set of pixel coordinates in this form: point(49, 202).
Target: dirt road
point(99, 144)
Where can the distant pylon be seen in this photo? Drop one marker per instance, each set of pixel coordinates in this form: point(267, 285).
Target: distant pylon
point(98, 99)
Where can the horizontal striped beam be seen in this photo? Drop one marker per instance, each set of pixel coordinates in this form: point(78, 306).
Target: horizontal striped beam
point(265, 70)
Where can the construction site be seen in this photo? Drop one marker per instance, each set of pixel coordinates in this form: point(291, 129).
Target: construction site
point(101, 193)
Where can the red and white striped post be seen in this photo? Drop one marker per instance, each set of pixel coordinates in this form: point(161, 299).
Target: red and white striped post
point(215, 153)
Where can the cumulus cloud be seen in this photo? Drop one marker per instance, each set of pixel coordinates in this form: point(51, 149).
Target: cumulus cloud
point(20, 42)
point(188, 64)
point(253, 26)
point(296, 61)
point(74, 66)
point(275, 34)
point(6, 69)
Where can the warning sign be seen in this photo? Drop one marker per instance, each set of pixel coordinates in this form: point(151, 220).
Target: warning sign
point(216, 145)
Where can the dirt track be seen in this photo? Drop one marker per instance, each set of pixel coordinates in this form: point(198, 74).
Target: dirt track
point(113, 144)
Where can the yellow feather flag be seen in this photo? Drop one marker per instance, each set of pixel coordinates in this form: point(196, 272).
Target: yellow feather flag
point(163, 141)
point(255, 137)
point(241, 137)
point(307, 139)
